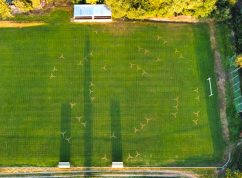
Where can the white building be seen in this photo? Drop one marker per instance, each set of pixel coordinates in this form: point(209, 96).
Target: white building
point(92, 13)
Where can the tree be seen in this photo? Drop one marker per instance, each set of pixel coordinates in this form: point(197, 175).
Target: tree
point(5, 11)
point(161, 8)
point(76, 1)
point(35, 3)
point(23, 5)
point(239, 60)
point(223, 9)
point(233, 174)
point(237, 27)
point(119, 7)
point(91, 1)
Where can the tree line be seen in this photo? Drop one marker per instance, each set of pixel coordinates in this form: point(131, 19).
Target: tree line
point(161, 8)
point(137, 8)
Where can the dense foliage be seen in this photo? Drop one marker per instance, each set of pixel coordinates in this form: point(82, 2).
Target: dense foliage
point(160, 8)
point(239, 60)
point(234, 166)
point(223, 9)
point(22, 5)
point(35, 3)
point(146, 8)
point(237, 24)
point(4, 10)
point(233, 174)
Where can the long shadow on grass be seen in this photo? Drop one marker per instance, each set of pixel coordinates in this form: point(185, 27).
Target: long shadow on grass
point(88, 118)
point(205, 61)
point(117, 152)
point(65, 132)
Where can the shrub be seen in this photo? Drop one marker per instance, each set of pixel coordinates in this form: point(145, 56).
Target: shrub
point(23, 6)
point(5, 11)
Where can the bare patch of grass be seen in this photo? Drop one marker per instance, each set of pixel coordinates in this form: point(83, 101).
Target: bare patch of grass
point(9, 24)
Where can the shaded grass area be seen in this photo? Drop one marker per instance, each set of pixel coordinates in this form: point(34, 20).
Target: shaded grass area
point(65, 138)
point(117, 152)
point(173, 66)
point(87, 113)
point(205, 71)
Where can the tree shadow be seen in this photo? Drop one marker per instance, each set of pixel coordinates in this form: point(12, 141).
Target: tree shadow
point(88, 118)
point(117, 152)
point(205, 71)
point(65, 132)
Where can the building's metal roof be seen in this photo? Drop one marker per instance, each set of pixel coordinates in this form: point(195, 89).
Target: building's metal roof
point(91, 10)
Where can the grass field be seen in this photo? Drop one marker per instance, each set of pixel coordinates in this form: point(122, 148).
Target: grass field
point(131, 92)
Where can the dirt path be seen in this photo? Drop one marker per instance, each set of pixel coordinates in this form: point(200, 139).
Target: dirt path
point(221, 81)
point(101, 172)
point(178, 19)
point(9, 24)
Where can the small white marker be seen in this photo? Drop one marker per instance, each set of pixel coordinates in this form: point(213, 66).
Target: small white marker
point(210, 85)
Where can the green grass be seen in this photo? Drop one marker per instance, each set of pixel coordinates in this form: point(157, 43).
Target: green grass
point(224, 40)
point(31, 118)
point(52, 16)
